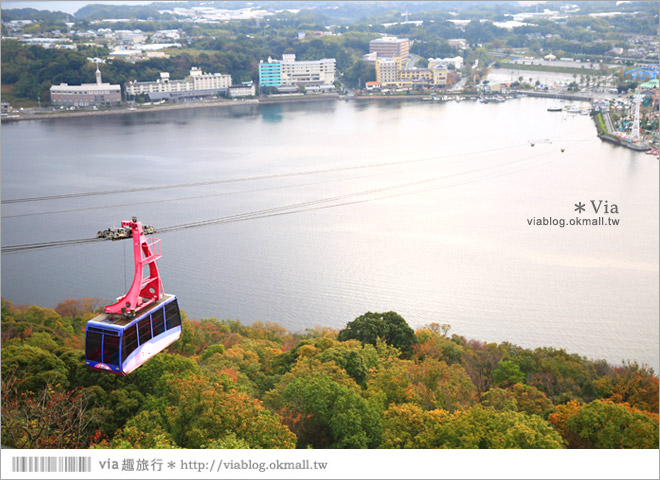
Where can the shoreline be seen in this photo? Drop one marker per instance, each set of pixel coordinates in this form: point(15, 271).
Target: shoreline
point(272, 100)
point(218, 104)
point(124, 110)
point(166, 107)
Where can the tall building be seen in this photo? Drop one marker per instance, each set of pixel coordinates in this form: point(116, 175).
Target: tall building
point(390, 47)
point(288, 72)
point(270, 73)
point(196, 84)
point(87, 94)
point(387, 70)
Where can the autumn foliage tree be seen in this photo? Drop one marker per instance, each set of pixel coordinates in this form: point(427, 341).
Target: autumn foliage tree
point(604, 424)
point(47, 418)
point(374, 384)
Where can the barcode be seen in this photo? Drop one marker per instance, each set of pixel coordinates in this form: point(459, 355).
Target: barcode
point(51, 464)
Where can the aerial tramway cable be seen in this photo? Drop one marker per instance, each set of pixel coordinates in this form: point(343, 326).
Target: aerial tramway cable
point(302, 206)
point(102, 207)
point(252, 178)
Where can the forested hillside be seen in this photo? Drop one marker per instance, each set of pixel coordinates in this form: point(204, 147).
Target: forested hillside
point(374, 384)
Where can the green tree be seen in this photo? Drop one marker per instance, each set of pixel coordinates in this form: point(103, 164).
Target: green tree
point(507, 373)
point(481, 427)
point(145, 430)
point(326, 414)
point(35, 367)
point(198, 412)
point(408, 426)
point(350, 360)
point(358, 74)
point(389, 326)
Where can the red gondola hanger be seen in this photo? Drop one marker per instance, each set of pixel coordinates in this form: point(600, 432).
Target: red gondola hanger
point(143, 291)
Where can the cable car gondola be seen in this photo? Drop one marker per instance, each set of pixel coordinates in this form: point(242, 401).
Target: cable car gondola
point(142, 323)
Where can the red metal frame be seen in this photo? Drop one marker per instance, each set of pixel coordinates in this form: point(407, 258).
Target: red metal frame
point(143, 291)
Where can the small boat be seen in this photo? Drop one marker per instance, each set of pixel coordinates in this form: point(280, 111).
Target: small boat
point(555, 109)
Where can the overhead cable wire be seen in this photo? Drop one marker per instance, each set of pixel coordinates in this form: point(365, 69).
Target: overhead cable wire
point(345, 196)
point(248, 179)
point(298, 207)
point(310, 207)
point(196, 197)
point(261, 177)
point(44, 245)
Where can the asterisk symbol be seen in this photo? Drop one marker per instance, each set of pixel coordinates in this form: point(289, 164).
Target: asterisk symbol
point(579, 207)
point(171, 465)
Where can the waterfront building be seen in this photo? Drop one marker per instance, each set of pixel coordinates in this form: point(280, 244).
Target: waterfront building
point(387, 70)
point(87, 94)
point(425, 77)
point(270, 73)
point(196, 84)
point(289, 73)
point(243, 90)
point(389, 73)
point(390, 47)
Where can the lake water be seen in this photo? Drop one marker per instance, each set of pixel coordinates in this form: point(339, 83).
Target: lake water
point(433, 224)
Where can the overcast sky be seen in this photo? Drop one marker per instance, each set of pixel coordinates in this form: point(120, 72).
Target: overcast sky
point(65, 6)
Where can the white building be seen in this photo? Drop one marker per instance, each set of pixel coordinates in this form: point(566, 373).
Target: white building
point(244, 90)
point(308, 72)
point(370, 57)
point(457, 43)
point(87, 94)
point(457, 62)
point(129, 36)
point(197, 83)
point(288, 72)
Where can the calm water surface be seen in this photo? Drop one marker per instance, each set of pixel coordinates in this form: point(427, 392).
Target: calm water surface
point(433, 225)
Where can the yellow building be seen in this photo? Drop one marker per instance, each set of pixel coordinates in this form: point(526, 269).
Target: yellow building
point(387, 70)
point(390, 73)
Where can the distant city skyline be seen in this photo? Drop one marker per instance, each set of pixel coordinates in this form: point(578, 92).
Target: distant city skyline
point(67, 6)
